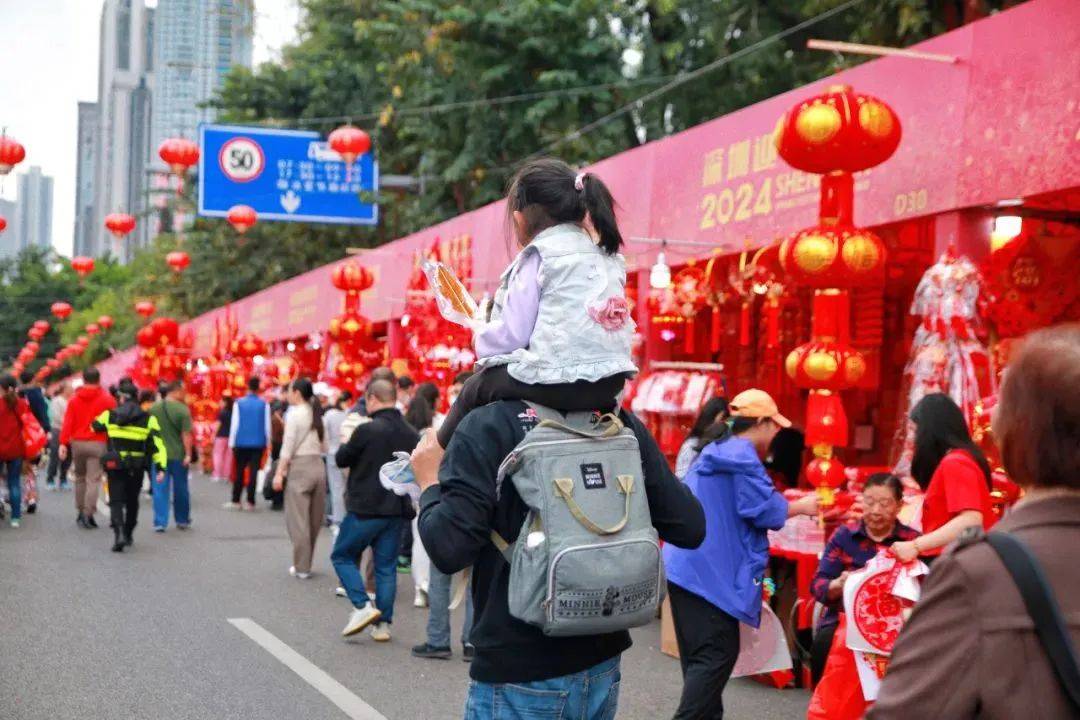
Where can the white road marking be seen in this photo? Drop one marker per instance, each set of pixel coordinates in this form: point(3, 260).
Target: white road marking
point(332, 690)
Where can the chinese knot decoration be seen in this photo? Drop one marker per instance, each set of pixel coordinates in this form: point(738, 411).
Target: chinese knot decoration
point(351, 331)
point(833, 134)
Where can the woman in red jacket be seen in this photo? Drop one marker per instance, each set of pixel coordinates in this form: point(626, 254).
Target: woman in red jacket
point(12, 450)
point(954, 474)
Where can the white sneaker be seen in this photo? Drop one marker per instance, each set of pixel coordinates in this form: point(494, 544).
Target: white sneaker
point(421, 599)
point(360, 618)
point(14, 523)
point(298, 575)
point(340, 592)
point(381, 632)
point(249, 507)
point(231, 506)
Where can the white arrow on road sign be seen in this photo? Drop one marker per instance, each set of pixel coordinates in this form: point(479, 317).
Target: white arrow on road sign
point(290, 201)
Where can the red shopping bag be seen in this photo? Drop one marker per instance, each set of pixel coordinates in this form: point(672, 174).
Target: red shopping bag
point(33, 436)
point(839, 695)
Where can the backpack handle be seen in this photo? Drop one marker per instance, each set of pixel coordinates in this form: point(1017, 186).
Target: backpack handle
point(564, 488)
point(614, 427)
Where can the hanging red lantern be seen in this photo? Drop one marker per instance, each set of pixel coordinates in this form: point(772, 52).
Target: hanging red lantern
point(35, 333)
point(166, 331)
point(145, 308)
point(242, 218)
point(179, 154)
point(17, 368)
point(11, 154)
point(247, 346)
point(93, 329)
point(145, 337)
point(178, 261)
point(61, 310)
point(24, 356)
point(75, 349)
point(349, 142)
point(54, 363)
point(3, 223)
point(82, 266)
point(350, 329)
point(348, 371)
point(119, 224)
point(43, 325)
point(839, 129)
point(351, 276)
point(106, 322)
point(826, 421)
point(33, 347)
point(825, 365)
point(834, 257)
point(826, 474)
point(82, 341)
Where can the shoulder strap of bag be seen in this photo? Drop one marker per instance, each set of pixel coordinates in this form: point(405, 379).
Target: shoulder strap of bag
point(609, 424)
point(1050, 625)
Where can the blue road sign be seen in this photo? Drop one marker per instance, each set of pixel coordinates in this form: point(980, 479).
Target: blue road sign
point(290, 175)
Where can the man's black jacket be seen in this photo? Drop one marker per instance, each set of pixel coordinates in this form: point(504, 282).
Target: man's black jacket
point(371, 446)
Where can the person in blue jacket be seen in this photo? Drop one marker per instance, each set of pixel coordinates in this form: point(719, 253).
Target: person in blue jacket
point(716, 586)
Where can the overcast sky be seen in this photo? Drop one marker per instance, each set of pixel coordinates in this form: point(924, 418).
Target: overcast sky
point(50, 58)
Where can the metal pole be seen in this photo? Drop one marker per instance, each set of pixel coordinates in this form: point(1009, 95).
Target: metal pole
point(861, 49)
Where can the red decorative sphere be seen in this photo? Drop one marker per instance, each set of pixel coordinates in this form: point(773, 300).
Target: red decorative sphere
point(825, 365)
point(119, 224)
point(178, 260)
point(833, 257)
point(839, 129)
point(166, 330)
point(145, 308)
point(145, 337)
point(179, 154)
point(11, 154)
point(349, 142)
point(247, 345)
point(242, 218)
point(350, 329)
point(61, 310)
point(82, 265)
point(825, 473)
point(351, 276)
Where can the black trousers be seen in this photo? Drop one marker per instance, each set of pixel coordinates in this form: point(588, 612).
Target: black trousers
point(250, 459)
point(54, 460)
point(708, 641)
point(124, 487)
point(819, 651)
point(496, 383)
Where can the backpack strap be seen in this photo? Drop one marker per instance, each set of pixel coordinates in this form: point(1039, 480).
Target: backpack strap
point(1041, 605)
point(564, 488)
point(609, 422)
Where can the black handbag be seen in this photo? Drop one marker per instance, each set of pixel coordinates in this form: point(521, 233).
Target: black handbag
point(1041, 605)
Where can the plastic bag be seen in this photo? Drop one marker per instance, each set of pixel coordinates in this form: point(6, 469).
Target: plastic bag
point(839, 695)
point(452, 297)
point(397, 477)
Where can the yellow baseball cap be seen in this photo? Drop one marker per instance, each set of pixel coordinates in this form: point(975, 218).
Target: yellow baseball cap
point(757, 404)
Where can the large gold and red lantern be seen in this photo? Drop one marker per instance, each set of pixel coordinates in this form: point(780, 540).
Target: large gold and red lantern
point(349, 371)
point(178, 260)
point(82, 265)
point(825, 365)
point(349, 142)
point(119, 224)
point(11, 154)
point(350, 329)
point(145, 308)
point(834, 257)
point(61, 310)
point(242, 218)
point(105, 321)
point(247, 346)
point(352, 277)
point(179, 154)
point(839, 129)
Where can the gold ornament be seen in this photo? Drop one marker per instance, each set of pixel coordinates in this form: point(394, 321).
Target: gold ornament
point(820, 366)
point(861, 253)
point(818, 123)
point(791, 364)
point(814, 253)
point(778, 131)
point(876, 119)
point(854, 368)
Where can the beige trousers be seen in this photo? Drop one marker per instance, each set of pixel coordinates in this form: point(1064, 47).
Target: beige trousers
point(305, 507)
point(86, 463)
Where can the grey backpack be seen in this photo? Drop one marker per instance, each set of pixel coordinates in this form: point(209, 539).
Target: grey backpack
point(587, 560)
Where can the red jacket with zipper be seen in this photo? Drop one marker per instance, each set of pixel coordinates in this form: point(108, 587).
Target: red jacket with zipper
point(11, 440)
point(88, 402)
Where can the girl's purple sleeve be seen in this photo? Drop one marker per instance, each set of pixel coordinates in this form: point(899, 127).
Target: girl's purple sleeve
point(514, 327)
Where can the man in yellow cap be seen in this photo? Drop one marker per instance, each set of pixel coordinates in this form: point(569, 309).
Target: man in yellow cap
point(718, 585)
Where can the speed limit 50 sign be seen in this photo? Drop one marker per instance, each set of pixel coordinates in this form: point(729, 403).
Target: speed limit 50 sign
point(290, 175)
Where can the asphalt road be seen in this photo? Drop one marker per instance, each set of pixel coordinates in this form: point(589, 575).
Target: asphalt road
point(86, 633)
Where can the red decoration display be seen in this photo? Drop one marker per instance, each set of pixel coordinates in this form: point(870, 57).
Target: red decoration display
point(349, 142)
point(11, 154)
point(178, 260)
point(61, 310)
point(242, 218)
point(247, 346)
point(119, 224)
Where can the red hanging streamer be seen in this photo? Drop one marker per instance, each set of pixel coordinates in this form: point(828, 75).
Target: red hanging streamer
point(744, 324)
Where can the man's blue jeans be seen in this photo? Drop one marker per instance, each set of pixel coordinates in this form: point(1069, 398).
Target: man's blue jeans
point(356, 535)
point(175, 484)
point(438, 624)
point(14, 483)
point(589, 695)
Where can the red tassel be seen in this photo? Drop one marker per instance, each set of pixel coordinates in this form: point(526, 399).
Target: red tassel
point(772, 323)
point(688, 340)
point(744, 324)
point(715, 330)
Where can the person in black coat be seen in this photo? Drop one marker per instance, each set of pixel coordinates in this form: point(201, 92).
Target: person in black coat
point(374, 515)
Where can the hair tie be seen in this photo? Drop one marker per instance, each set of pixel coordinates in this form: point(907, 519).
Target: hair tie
point(579, 182)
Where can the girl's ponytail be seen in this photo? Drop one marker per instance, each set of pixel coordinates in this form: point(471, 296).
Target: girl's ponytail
point(601, 208)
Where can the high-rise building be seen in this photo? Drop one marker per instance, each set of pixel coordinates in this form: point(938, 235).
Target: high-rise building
point(33, 213)
point(86, 234)
point(125, 86)
point(9, 238)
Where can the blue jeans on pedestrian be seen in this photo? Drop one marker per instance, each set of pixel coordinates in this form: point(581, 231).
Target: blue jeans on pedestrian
point(14, 484)
point(356, 535)
point(438, 624)
point(174, 483)
point(592, 694)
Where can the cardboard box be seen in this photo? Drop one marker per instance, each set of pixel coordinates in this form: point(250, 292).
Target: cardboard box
point(668, 644)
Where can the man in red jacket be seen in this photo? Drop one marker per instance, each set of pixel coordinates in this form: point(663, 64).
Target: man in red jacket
point(87, 446)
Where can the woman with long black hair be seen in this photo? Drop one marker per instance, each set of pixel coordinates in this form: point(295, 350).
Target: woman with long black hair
point(713, 414)
point(302, 462)
point(954, 474)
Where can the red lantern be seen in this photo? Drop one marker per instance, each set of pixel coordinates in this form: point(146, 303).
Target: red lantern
point(75, 349)
point(349, 142)
point(61, 310)
point(179, 154)
point(93, 329)
point(35, 333)
point(82, 341)
point(43, 325)
point(839, 129)
point(834, 257)
point(352, 277)
point(178, 261)
point(119, 224)
point(242, 218)
point(166, 331)
point(826, 474)
point(825, 365)
point(145, 308)
point(348, 371)
point(247, 346)
point(53, 363)
point(11, 154)
point(82, 265)
point(33, 347)
point(3, 223)
point(24, 356)
point(105, 321)
point(145, 337)
point(826, 421)
point(350, 329)
point(17, 368)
